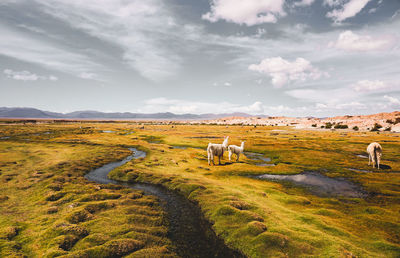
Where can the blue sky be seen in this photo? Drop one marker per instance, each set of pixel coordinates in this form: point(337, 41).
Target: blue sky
point(273, 57)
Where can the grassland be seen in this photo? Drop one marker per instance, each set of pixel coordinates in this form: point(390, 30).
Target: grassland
point(42, 188)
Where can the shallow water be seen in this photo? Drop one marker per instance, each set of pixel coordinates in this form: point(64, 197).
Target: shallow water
point(320, 184)
point(260, 159)
point(360, 170)
point(362, 156)
point(179, 147)
point(189, 231)
point(108, 131)
point(5, 138)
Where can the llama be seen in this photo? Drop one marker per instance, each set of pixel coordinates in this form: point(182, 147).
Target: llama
point(374, 153)
point(233, 149)
point(216, 150)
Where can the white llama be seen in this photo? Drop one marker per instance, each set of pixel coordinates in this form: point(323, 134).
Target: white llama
point(233, 149)
point(374, 153)
point(214, 149)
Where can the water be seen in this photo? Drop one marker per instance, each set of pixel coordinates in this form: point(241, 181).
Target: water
point(5, 138)
point(179, 147)
point(320, 184)
point(108, 131)
point(261, 161)
point(359, 170)
point(362, 156)
point(190, 232)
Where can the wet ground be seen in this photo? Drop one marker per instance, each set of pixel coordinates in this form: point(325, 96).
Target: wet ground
point(261, 161)
point(189, 231)
point(319, 184)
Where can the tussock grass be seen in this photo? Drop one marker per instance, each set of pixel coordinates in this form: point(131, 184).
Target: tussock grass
point(260, 218)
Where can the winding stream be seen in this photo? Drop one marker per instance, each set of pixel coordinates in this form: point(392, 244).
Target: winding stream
point(189, 231)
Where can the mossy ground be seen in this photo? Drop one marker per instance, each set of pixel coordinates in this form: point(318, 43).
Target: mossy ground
point(48, 209)
point(260, 218)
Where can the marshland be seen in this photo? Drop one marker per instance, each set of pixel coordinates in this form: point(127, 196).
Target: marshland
point(156, 185)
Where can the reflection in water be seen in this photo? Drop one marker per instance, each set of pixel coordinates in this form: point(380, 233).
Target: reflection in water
point(319, 184)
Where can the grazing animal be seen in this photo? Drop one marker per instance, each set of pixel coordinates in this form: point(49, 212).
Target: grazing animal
point(214, 149)
point(233, 149)
point(374, 153)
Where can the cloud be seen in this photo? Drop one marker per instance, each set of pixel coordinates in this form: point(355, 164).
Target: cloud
point(88, 76)
point(283, 71)
point(347, 10)
point(350, 41)
point(49, 55)
point(143, 30)
point(395, 102)
point(304, 3)
point(332, 3)
point(27, 76)
point(368, 86)
point(183, 106)
point(249, 12)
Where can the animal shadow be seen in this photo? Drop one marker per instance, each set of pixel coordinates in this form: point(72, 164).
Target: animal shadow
point(384, 167)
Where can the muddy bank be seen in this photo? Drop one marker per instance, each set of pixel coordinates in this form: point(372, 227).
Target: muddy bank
point(189, 231)
point(319, 184)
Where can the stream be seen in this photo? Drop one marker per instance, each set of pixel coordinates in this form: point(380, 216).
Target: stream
point(189, 231)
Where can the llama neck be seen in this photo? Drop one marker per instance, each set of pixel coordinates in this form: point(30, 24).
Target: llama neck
point(242, 145)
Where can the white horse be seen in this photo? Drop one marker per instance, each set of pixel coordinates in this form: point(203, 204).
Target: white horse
point(216, 150)
point(374, 153)
point(233, 149)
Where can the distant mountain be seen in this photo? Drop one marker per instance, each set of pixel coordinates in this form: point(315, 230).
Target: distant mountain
point(89, 114)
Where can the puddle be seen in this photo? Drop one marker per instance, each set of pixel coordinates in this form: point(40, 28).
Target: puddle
point(360, 170)
point(320, 184)
point(362, 156)
point(261, 161)
point(5, 138)
point(107, 131)
point(179, 147)
point(190, 233)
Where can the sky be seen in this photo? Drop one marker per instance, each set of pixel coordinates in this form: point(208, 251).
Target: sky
point(273, 57)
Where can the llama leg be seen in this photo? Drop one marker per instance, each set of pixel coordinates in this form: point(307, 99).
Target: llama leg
point(378, 162)
point(212, 158)
point(237, 160)
point(219, 160)
point(230, 155)
point(369, 159)
point(208, 157)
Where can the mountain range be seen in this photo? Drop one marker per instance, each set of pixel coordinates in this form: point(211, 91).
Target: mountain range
point(25, 112)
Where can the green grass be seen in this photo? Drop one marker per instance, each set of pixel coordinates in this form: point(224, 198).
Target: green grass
point(260, 218)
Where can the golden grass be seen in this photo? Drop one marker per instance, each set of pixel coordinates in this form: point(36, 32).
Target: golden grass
point(260, 218)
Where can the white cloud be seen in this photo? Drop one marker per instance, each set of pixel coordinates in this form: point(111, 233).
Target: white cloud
point(143, 30)
point(51, 56)
point(88, 76)
point(183, 106)
point(332, 3)
point(304, 3)
point(392, 100)
point(368, 86)
point(283, 71)
point(351, 41)
point(347, 10)
point(249, 12)
point(27, 76)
